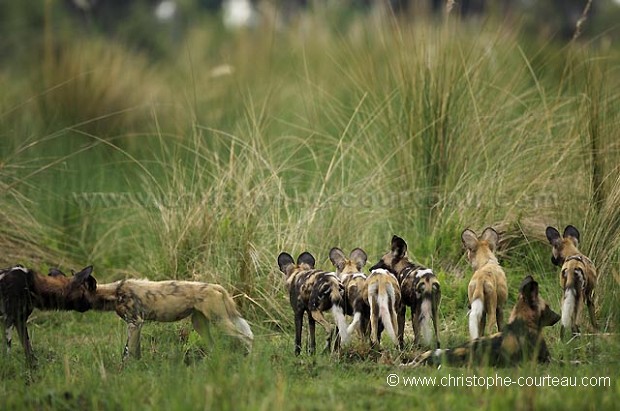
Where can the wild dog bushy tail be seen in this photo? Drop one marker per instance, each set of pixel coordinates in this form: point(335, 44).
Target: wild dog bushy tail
point(338, 312)
point(477, 309)
point(240, 323)
point(385, 298)
point(426, 314)
point(568, 307)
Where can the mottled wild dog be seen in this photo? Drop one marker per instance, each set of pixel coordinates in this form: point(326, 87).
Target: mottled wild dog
point(313, 291)
point(520, 341)
point(349, 270)
point(137, 301)
point(578, 277)
point(420, 290)
point(22, 290)
point(383, 295)
point(487, 290)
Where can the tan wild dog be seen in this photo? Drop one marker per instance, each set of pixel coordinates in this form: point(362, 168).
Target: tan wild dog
point(22, 290)
point(313, 291)
point(520, 341)
point(349, 270)
point(487, 290)
point(578, 278)
point(382, 294)
point(419, 289)
point(137, 301)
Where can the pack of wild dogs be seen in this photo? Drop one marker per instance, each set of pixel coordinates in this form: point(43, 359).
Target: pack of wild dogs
point(376, 301)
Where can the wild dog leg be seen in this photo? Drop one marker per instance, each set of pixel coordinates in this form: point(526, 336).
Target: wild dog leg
point(22, 331)
point(374, 323)
point(400, 318)
point(8, 331)
point(299, 320)
point(132, 348)
point(436, 325)
point(311, 335)
point(592, 313)
point(415, 322)
point(318, 316)
point(499, 315)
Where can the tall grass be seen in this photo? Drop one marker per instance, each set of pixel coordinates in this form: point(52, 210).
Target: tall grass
point(309, 142)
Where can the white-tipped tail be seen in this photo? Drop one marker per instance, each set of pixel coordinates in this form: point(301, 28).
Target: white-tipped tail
point(355, 323)
point(385, 314)
point(244, 328)
point(426, 326)
point(341, 323)
point(475, 315)
point(568, 308)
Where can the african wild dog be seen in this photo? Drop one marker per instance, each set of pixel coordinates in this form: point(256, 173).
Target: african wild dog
point(383, 295)
point(137, 301)
point(487, 290)
point(520, 341)
point(349, 270)
point(420, 290)
point(313, 291)
point(22, 290)
point(578, 277)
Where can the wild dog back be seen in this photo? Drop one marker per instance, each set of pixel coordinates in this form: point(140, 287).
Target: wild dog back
point(488, 289)
point(578, 277)
point(349, 271)
point(409, 275)
point(313, 291)
point(163, 301)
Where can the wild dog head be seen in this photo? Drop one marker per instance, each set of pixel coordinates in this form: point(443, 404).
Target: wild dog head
point(480, 250)
point(531, 308)
point(428, 297)
point(352, 265)
point(563, 246)
point(394, 260)
point(77, 293)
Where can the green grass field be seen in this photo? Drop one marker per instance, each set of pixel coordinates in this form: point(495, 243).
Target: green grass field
point(208, 163)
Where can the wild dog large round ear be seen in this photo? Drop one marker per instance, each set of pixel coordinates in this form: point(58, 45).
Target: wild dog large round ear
point(337, 257)
point(55, 272)
point(529, 290)
point(571, 231)
point(469, 239)
point(84, 274)
point(306, 258)
point(553, 235)
point(399, 246)
point(490, 236)
point(360, 257)
point(284, 260)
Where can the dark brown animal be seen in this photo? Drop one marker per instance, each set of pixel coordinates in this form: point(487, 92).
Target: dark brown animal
point(520, 341)
point(419, 289)
point(22, 290)
point(313, 291)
